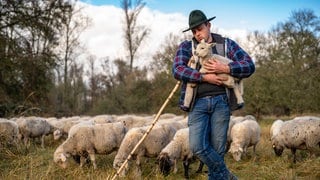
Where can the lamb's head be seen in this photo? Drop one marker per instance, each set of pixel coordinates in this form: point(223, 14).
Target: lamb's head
point(203, 49)
point(165, 163)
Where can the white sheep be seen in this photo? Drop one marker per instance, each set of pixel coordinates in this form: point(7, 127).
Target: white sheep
point(178, 148)
point(9, 131)
point(204, 52)
point(232, 122)
point(87, 140)
point(243, 135)
point(157, 139)
point(34, 127)
point(299, 133)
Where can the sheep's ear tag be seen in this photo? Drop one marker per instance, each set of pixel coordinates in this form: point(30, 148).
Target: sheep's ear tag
point(63, 157)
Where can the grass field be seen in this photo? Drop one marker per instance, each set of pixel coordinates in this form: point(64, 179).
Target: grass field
point(37, 163)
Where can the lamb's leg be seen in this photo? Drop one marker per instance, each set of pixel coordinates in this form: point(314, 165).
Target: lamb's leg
point(175, 169)
point(189, 94)
point(229, 83)
point(237, 93)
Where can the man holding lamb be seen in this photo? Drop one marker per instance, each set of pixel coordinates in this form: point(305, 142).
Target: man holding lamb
point(212, 103)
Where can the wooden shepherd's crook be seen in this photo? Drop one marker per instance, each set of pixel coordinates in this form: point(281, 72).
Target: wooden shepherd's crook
point(148, 131)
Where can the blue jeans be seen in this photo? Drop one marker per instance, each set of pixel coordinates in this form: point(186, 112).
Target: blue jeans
point(208, 126)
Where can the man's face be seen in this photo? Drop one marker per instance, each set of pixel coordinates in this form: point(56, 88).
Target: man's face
point(202, 32)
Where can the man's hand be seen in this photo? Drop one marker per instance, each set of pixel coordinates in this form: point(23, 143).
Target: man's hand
point(214, 66)
point(213, 79)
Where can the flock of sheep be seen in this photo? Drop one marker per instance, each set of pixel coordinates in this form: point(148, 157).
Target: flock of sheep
point(84, 137)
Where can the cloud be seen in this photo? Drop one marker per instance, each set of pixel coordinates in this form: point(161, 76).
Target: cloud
point(104, 37)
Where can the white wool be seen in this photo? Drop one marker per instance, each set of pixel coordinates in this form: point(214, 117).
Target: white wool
point(34, 127)
point(244, 134)
point(299, 133)
point(9, 131)
point(157, 139)
point(89, 140)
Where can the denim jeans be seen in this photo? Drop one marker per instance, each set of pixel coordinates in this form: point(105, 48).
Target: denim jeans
point(208, 126)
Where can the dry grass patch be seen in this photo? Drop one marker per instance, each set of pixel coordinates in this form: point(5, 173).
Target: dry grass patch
point(37, 163)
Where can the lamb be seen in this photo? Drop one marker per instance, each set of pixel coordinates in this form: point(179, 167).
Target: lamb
point(87, 140)
point(204, 52)
point(157, 139)
point(178, 148)
point(9, 131)
point(243, 135)
point(302, 134)
point(34, 127)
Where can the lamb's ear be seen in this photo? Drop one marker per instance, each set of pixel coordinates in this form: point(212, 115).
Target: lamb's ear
point(202, 41)
point(212, 44)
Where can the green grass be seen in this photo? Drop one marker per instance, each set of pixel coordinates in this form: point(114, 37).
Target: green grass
point(37, 163)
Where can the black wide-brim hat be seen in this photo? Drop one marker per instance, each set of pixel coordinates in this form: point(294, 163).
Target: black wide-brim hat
point(196, 18)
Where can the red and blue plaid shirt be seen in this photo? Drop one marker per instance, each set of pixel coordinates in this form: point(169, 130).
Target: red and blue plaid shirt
point(241, 67)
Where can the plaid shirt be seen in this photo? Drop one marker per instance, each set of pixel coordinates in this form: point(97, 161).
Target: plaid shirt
point(241, 67)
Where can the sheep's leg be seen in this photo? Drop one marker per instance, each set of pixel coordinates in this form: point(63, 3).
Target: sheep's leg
point(26, 141)
point(42, 141)
point(200, 167)
point(186, 163)
point(189, 94)
point(175, 169)
point(229, 83)
point(293, 150)
point(138, 164)
point(240, 85)
point(237, 93)
point(83, 160)
point(254, 153)
point(93, 159)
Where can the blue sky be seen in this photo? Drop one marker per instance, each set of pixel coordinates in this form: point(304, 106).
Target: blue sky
point(247, 14)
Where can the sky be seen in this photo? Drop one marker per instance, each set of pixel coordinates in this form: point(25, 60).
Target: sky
point(234, 19)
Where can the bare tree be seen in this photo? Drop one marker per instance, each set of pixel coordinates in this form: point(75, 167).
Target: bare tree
point(74, 23)
point(133, 33)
